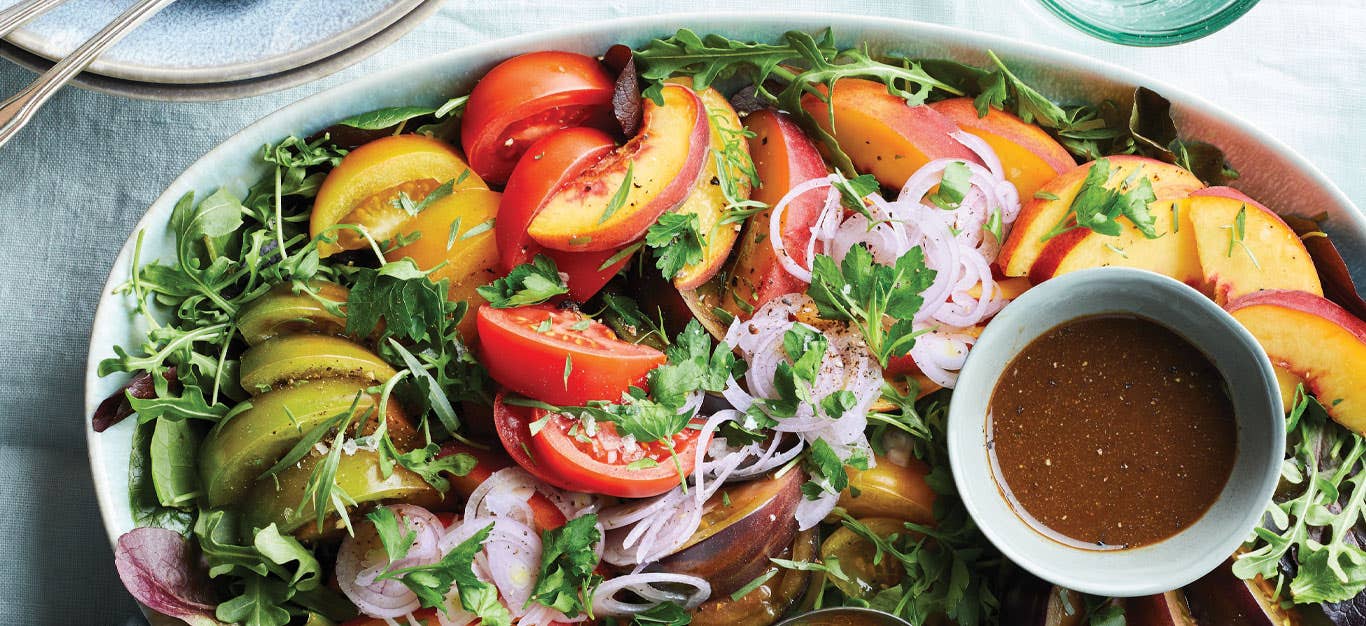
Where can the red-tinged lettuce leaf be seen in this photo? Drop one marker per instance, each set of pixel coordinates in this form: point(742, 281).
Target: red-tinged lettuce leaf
point(626, 102)
point(162, 570)
point(1333, 273)
point(116, 407)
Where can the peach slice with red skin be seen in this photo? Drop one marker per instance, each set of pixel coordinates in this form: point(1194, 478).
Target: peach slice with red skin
point(707, 199)
point(1316, 340)
point(1269, 256)
point(664, 159)
point(784, 158)
point(1043, 210)
point(1172, 254)
point(881, 134)
point(1029, 155)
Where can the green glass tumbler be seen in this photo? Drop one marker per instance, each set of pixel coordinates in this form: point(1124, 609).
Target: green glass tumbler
point(1149, 22)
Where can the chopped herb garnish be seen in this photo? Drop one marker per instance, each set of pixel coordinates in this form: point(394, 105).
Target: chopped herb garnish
point(528, 283)
point(618, 199)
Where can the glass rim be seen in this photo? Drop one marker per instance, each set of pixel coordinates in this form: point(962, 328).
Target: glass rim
point(1155, 38)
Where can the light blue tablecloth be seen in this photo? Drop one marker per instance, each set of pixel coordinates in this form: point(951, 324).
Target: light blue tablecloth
point(73, 184)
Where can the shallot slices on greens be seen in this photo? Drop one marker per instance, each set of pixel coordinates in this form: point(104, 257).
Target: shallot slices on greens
point(960, 241)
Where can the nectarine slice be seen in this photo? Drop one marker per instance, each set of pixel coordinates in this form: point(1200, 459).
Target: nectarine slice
point(664, 161)
point(1318, 341)
point(1242, 255)
point(1029, 155)
point(1172, 254)
point(882, 135)
point(784, 158)
point(707, 200)
point(384, 164)
point(1043, 210)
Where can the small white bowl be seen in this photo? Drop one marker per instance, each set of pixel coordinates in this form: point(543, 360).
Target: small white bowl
point(1193, 552)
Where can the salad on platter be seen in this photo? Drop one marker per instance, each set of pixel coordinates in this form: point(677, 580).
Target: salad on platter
point(668, 336)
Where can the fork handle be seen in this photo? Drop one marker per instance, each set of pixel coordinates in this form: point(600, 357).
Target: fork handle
point(15, 16)
point(20, 108)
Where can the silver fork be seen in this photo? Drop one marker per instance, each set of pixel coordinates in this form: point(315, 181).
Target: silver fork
point(21, 107)
point(21, 12)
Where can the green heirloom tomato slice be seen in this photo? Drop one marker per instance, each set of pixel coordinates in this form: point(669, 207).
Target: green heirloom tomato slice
point(358, 476)
point(284, 360)
point(237, 451)
point(281, 312)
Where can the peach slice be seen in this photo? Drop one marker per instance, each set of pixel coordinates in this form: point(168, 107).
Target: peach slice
point(1316, 340)
point(665, 160)
point(881, 134)
point(370, 177)
point(1029, 155)
point(707, 200)
point(1268, 255)
point(1288, 382)
point(458, 231)
point(1172, 254)
point(1048, 206)
point(784, 158)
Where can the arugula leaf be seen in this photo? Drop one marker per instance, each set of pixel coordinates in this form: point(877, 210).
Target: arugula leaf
point(1098, 206)
point(866, 294)
point(260, 604)
point(455, 571)
point(713, 57)
point(527, 284)
point(391, 534)
point(565, 581)
point(384, 118)
point(1326, 503)
point(677, 242)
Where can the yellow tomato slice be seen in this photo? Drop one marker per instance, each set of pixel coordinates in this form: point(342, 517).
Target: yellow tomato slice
point(367, 172)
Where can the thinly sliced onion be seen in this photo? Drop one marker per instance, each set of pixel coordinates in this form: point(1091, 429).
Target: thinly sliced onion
point(646, 585)
point(358, 566)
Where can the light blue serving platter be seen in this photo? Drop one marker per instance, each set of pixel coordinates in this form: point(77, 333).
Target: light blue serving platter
point(212, 41)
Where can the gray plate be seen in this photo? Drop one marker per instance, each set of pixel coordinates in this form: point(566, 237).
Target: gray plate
point(234, 89)
point(211, 41)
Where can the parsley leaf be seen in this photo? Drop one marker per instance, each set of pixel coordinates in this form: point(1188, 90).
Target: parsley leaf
point(866, 294)
point(1098, 206)
point(677, 242)
point(566, 579)
point(432, 582)
point(396, 542)
point(398, 294)
point(527, 284)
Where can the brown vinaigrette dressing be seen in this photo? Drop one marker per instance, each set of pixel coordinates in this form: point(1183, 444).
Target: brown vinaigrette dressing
point(1111, 432)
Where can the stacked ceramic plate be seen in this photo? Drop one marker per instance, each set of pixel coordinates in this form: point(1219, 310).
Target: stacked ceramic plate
point(216, 49)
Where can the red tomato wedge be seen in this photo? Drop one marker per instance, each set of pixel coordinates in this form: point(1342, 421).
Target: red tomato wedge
point(561, 453)
point(560, 357)
point(528, 97)
point(545, 167)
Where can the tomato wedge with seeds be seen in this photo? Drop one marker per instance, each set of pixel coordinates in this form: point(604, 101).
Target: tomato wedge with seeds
point(528, 97)
point(560, 357)
point(563, 454)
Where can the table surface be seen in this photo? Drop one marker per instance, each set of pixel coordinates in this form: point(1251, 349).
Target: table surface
point(74, 183)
